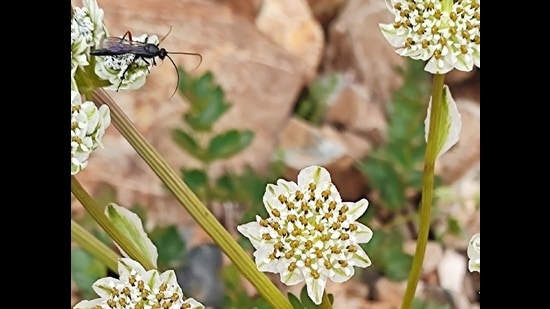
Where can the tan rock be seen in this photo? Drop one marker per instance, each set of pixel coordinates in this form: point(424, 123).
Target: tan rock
point(354, 111)
point(291, 24)
point(356, 44)
point(304, 145)
point(434, 254)
point(325, 10)
point(261, 79)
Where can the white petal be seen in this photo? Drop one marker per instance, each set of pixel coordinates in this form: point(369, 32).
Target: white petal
point(103, 286)
point(361, 259)
point(317, 174)
point(194, 304)
point(315, 288)
point(89, 304)
point(363, 234)
point(292, 278)
point(356, 209)
point(450, 125)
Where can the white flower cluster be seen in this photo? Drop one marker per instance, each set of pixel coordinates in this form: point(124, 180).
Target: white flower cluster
point(87, 31)
point(310, 234)
point(445, 32)
point(88, 124)
point(473, 253)
point(137, 288)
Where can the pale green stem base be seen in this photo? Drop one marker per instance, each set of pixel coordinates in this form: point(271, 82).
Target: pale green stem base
point(192, 204)
point(427, 192)
point(92, 245)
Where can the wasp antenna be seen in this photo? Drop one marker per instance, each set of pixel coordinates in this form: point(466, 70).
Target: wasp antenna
point(164, 37)
point(178, 75)
point(191, 54)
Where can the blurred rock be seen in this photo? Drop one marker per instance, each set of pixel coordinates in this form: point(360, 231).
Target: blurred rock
point(465, 155)
point(348, 294)
point(356, 44)
point(291, 24)
point(304, 145)
point(457, 77)
point(325, 10)
point(246, 8)
point(352, 110)
point(200, 276)
point(434, 254)
point(392, 292)
point(452, 271)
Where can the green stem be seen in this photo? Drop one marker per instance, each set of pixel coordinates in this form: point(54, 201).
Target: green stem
point(192, 204)
point(91, 244)
point(325, 304)
point(427, 191)
point(95, 211)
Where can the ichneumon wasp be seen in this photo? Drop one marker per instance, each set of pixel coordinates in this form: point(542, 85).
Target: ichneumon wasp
point(114, 46)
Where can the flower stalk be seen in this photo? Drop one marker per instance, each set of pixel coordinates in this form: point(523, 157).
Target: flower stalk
point(432, 151)
point(92, 245)
point(192, 204)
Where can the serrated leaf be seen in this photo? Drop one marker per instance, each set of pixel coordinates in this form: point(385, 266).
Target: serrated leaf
point(85, 270)
point(188, 143)
point(449, 124)
point(131, 226)
point(229, 143)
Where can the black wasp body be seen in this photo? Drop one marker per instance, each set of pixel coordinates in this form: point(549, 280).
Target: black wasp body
point(113, 46)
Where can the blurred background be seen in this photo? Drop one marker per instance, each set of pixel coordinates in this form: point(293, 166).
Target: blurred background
point(285, 84)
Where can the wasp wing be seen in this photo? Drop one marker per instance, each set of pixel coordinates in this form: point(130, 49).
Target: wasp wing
point(111, 46)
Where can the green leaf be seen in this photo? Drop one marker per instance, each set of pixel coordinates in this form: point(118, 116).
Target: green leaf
point(294, 301)
point(386, 252)
point(229, 143)
point(449, 125)
point(188, 143)
point(306, 301)
point(85, 270)
point(131, 226)
point(171, 247)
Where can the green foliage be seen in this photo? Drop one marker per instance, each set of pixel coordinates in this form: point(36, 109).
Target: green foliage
point(206, 98)
point(386, 252)
point(420, 304)
point(85, 270)
point(396, 167)
point(315, 104)
point(207, 104)
point(170, 246)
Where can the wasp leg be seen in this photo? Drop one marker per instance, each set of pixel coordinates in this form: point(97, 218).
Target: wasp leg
point(148, 63)
point(129, 34)
point(124, 73)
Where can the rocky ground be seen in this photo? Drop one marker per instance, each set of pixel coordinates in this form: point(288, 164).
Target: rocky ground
point(263, 53)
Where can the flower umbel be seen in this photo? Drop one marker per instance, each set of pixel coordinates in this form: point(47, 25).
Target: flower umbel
point(473, 253)
point(444, 31)
point(138, 288)
point(310, 234)
point(88, 124)
point(125, 71)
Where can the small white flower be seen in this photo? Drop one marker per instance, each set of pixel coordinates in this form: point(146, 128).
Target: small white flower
point(88, 124)
point(473, 253)
point(138, 288)
point(310, 234)
point(87, 31)
point(125, 71)
point(445, 32)
point(87, 24)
